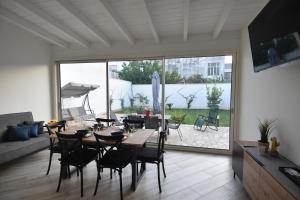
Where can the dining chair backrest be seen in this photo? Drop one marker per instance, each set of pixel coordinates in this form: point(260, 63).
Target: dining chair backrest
point(70, 143)
point(161, 143)
point(52, 128)
point(115, 139)
point(137, 123)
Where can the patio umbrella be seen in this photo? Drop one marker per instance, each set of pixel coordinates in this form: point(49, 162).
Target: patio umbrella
point(155, 92)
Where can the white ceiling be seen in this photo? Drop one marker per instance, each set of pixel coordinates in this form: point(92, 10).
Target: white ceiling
point(84, 22)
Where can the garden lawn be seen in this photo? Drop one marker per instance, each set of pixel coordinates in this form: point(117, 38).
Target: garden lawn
point(191, 114)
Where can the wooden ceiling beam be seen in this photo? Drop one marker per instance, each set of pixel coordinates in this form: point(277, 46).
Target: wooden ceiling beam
point(35, 10)
point(150, 22)
point(32, 28)
point(186, 14)
point(68, 6)
point(116, 20)
point(228, 5)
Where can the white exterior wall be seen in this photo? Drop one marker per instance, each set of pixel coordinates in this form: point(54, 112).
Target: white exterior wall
point(272, 94)
point(25, 63)
point(186, 89)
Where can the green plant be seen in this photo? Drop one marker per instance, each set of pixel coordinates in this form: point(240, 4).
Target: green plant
point(169, 105)
point(213, 95)
point(143, 100)
point(188, 99)
point(265, 128)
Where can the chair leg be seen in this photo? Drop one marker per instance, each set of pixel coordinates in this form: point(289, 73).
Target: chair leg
point(179, 133)
point(121, 187)
point(98, 178)
point(50, 160)
point(81, 181)
point(69, 172)
point(60, 176)
point(163, 166)
point(158, 176)
point(110, 173)
point(77, 171)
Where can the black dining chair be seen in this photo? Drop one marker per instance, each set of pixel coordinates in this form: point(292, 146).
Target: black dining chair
point(54, 146)
point(151, 122)
point(154, 155)
point(73, 153)
point(114, 158)
point(107, 122)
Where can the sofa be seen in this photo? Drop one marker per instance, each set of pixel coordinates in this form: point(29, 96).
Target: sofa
point(10, 150)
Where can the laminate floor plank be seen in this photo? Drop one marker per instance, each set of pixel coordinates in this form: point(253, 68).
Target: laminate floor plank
point(190, 176)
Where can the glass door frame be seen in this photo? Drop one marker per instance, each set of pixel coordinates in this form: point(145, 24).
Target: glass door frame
point(233, 101)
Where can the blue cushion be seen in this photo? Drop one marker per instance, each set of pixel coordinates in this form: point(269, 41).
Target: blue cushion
point(33, 129)
point(16, 133)
point(40, 125)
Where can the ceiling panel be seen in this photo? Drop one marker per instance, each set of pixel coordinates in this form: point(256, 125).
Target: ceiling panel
point(167, 16)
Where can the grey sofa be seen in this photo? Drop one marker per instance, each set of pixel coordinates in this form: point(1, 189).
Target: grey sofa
point(16, 149)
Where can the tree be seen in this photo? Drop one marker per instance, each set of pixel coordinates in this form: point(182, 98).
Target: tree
point(214, 95)
point(173, 77)
point(197, 78)
point(140, 72)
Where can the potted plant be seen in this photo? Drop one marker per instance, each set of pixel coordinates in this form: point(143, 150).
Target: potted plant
point(213, 96)
point(265, 128)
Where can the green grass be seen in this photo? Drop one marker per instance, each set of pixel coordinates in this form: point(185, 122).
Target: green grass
point(191, 114)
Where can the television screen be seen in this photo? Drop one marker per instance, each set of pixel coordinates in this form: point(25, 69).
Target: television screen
point(275, 34)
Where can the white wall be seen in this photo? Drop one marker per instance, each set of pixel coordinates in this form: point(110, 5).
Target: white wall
point(24, 73)
point(199, 90)
point(273, 93)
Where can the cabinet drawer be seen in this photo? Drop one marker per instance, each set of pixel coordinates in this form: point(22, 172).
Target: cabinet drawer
point(251, 176)
point(291, 197)
point(270, 188)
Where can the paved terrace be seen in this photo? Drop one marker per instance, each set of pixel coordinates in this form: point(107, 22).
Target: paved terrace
point(195, 138)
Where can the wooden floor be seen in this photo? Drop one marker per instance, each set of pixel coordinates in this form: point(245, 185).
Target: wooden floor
point(189, 176)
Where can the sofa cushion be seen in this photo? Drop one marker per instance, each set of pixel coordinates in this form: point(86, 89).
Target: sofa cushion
point(40, 125)
point(12, 119)
point(12, 150)
point(32, 128)
point(16, 133)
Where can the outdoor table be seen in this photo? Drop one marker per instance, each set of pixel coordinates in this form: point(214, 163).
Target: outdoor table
point(132, 140)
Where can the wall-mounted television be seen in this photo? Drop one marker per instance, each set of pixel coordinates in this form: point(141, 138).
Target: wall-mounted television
point(275, 34)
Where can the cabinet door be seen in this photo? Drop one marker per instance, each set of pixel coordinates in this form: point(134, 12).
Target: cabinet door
point(251, 176)
point(291, 197)
point(270, 189)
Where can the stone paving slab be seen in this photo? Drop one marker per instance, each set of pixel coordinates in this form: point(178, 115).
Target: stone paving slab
point(195, 138)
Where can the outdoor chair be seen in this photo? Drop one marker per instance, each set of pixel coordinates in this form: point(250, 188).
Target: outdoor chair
point(151, 122)
point(73, 153)
point(133, 121)
point(208, 121)
point(175, 125)
point(154, 155)
point(54, 146)
point(114, 158)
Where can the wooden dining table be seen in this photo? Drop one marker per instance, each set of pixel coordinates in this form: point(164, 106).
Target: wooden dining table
point(133, 141)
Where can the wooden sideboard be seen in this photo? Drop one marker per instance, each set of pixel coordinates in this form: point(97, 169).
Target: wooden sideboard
point(262, 179)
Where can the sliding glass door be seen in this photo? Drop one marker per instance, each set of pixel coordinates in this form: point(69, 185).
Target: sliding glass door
point(192, 94)
point(83, 92)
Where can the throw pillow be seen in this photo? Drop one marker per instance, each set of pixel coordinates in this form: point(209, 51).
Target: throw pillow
point(39, 123)
point(16, 133)
point(33, 129)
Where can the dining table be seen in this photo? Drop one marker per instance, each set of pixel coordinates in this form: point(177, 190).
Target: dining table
point(133, 140)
